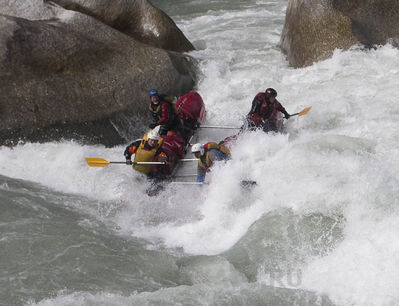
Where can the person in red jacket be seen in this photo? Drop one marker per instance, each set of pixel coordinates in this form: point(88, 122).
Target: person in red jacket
point(163, 112)
point(264, 111)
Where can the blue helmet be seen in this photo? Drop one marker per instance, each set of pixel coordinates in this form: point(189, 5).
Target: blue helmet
point(153, 92)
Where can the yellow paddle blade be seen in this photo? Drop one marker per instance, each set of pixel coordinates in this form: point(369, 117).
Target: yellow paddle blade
point(304, 111)
point(97, 162)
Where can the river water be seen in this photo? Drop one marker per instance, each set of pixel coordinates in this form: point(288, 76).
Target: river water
point(319, 228)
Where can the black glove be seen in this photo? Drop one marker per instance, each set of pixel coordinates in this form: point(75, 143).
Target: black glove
point(129, 162)
point(152, 125)
point(163, 159)
point(287, 116)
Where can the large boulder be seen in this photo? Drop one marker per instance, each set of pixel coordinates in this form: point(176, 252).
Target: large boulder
point(312, 30)
point(315, 28)
point(374, 22)
point(66, 74)
point(138, 19)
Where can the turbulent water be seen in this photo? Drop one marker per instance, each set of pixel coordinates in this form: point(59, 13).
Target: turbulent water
point(320, 227)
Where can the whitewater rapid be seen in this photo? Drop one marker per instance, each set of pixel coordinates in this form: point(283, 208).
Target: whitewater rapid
point(340, 161)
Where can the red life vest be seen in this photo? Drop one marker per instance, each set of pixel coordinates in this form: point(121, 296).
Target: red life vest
point(265, 110)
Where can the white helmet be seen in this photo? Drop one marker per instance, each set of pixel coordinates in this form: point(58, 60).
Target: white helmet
point(197, 148)
point(154, 133)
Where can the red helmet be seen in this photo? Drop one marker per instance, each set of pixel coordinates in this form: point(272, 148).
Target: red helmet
point(270, 92)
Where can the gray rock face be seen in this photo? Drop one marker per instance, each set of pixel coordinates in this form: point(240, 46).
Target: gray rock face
point(374, 22)
point(65, 74)
point(315, 28)
point(138, 19)
point(312, 30)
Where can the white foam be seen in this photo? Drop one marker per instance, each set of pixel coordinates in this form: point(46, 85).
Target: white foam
point(62, 167)
point(342, 156)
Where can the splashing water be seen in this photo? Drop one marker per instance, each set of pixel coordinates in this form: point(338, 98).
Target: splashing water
point(325, 203)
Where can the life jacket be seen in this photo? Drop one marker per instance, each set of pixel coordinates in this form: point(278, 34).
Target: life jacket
point(254, 120)
point(205, 162)
point(145, 155)
point(265, 109)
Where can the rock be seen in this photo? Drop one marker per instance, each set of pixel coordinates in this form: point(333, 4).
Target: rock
point(138, 19)
point(374, 22)
point(315, 28)
point(65, 74)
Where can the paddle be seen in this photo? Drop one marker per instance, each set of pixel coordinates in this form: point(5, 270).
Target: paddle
point(219, 127)
point(243, 183)
point(101, 162)
point(187, 183)
point(302, 112)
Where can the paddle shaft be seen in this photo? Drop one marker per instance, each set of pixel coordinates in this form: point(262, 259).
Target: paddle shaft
point(219, 127)
point(301, 113)
point(138, 163)
point(101, 162)
point(141, 163)
point(187, 183)
point(244, 183)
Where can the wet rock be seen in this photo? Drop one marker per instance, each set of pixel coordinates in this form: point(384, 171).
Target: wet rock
point(138, 19)
point(66, 74)
point(374, 22)
point(315, 28)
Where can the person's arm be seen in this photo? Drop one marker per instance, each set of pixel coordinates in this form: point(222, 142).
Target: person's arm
point(165, 114)
point(255, 106)
point(282, 109)
point(161, 156)
point(131, 149)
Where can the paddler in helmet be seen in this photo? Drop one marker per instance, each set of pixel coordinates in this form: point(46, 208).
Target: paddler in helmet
point(264, 111)
point(163, 112)
point(208, 153)
point(147, 149)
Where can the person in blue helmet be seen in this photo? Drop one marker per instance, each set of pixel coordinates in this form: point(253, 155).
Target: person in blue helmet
point(163, 112)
